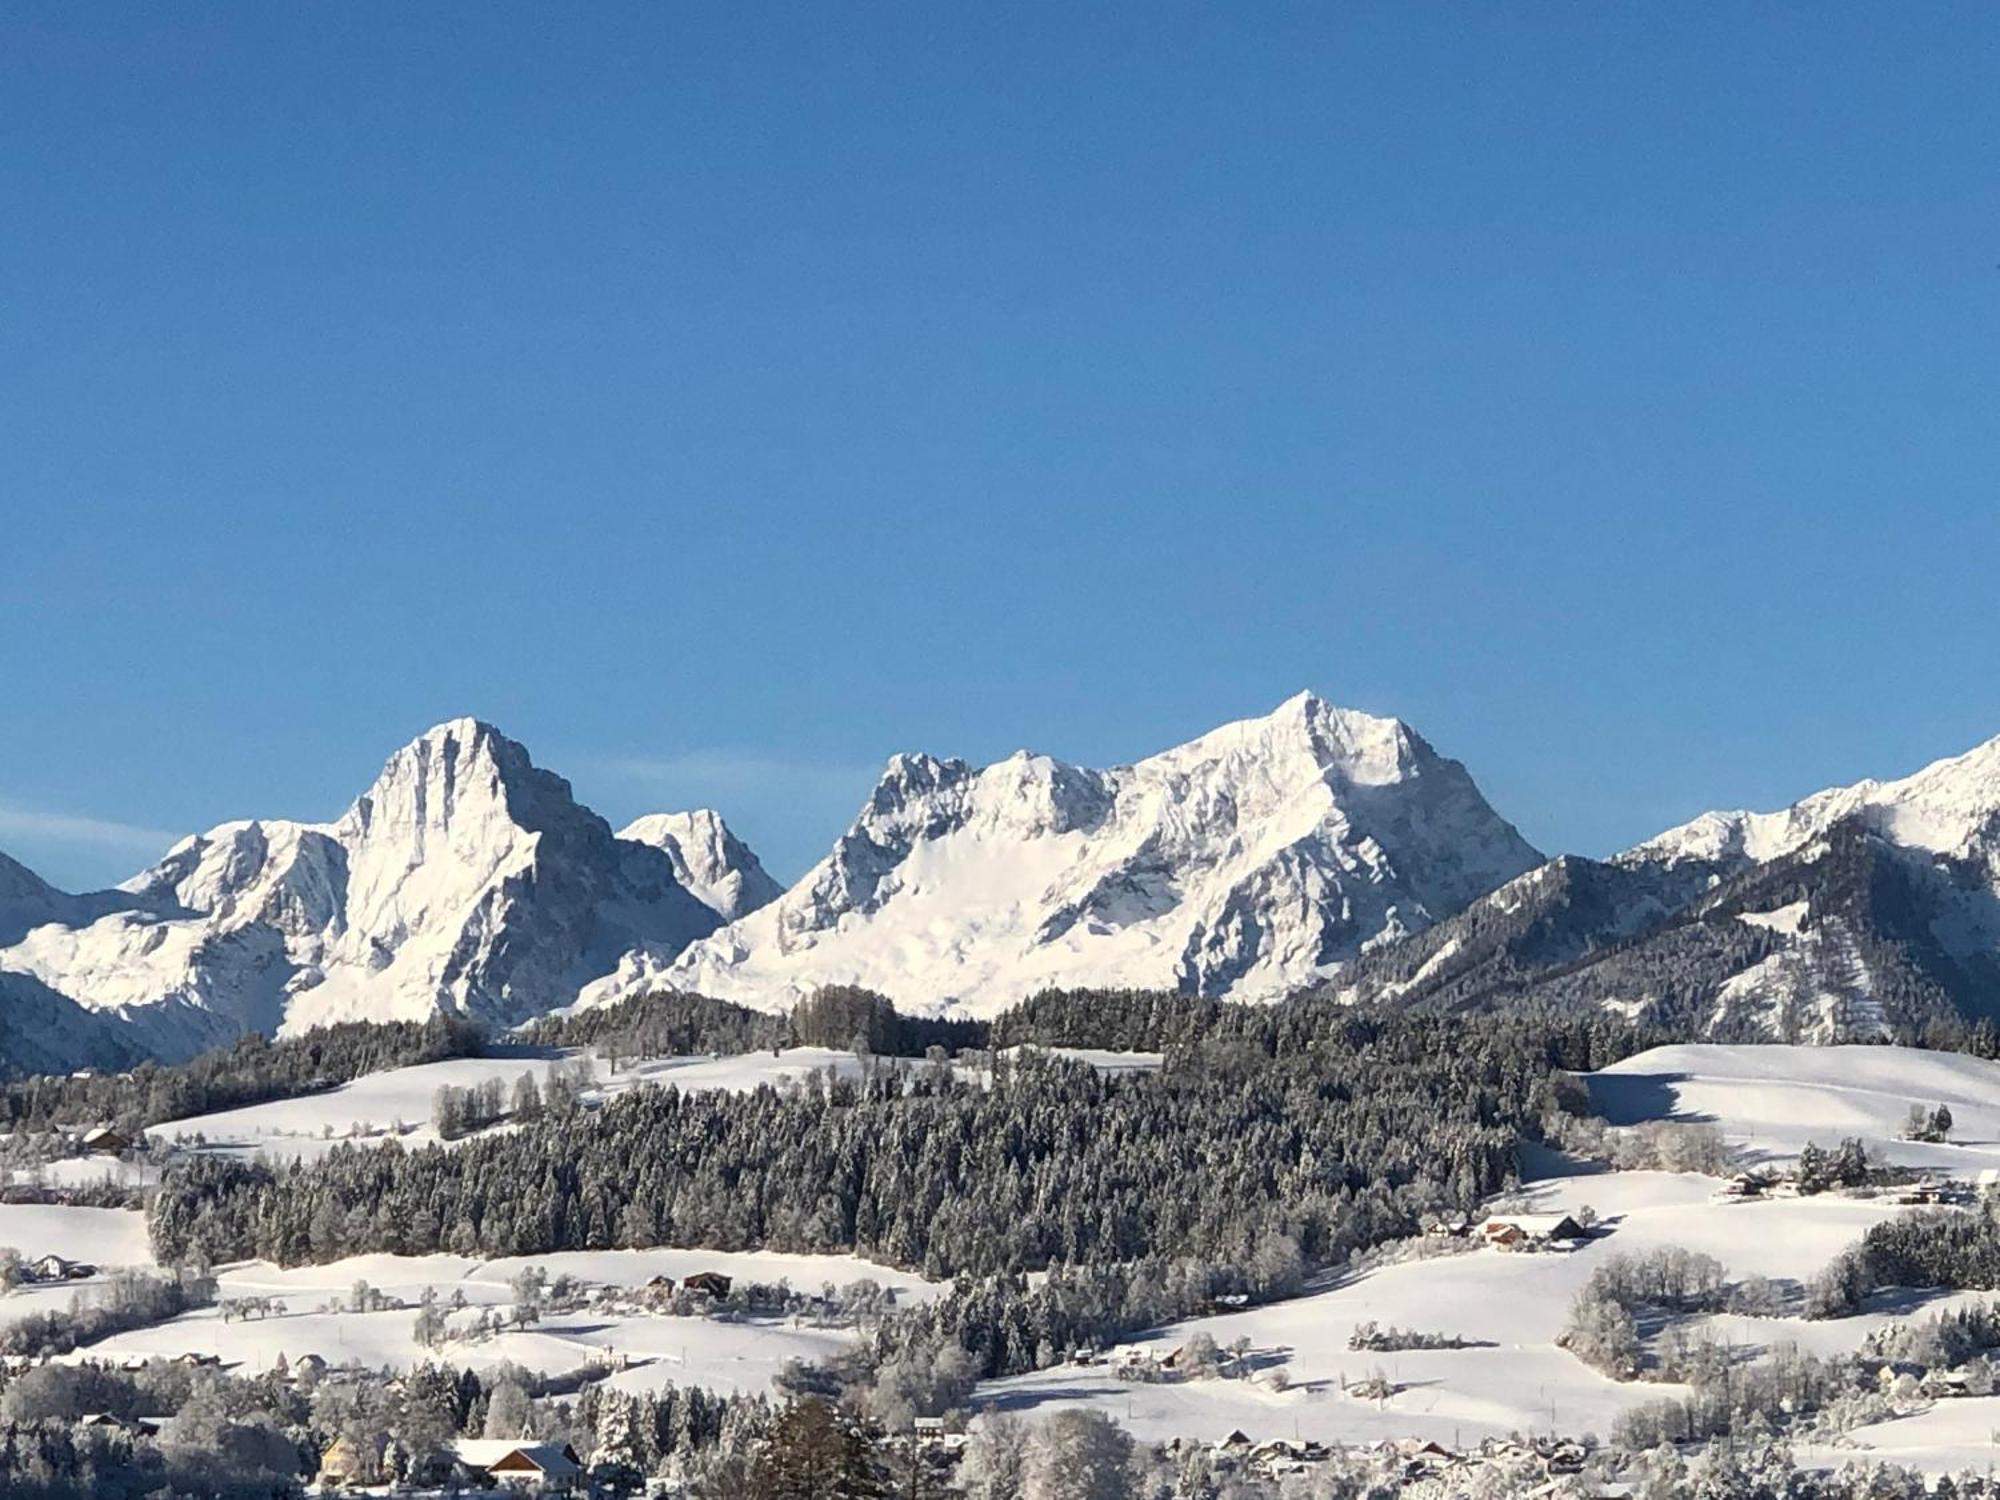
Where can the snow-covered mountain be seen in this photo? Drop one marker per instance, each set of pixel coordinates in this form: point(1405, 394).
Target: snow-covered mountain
point(1240, 864)
point(465, 880)
point(713, 863)
point(1858, 912)
point(27, 901)
point(1950, 808)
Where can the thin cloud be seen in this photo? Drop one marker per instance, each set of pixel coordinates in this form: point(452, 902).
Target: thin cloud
point(747, 772)
point(70, 828)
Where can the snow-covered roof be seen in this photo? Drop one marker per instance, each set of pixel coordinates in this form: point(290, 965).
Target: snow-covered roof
point(485, 1453)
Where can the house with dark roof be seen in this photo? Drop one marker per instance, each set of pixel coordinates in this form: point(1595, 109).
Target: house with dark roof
point(520, 1464)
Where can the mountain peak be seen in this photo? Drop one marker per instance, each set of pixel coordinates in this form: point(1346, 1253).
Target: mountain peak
point(1311, 739)
point(712, 862)
point(462, 772)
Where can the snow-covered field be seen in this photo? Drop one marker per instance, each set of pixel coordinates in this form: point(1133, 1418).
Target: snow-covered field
point(659, 1347)
point(100, 1236)
point(724, 1355)
point(1514, 1303)
point(1771, 1100)
point(1950, 1438)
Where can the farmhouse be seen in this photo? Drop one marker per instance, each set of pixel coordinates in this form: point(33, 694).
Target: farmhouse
point(104, 1141)
point(55, 1268)
point(709, 1283)
point(520, 1465)
point(658, 1291)
point(1745, 1186)
point(1518, 1231)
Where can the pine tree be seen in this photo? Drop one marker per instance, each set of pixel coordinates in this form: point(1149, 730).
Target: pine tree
point(1814, 1174)
point(813, 1453)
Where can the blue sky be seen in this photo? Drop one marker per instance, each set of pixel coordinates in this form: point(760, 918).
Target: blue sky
point(721, 398)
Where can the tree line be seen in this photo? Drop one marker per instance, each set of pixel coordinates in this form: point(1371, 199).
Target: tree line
point(252, 1070)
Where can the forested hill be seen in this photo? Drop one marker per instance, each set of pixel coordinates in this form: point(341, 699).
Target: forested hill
point(1328, 1129)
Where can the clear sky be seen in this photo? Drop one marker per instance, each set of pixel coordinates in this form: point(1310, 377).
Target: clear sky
point(719, 398)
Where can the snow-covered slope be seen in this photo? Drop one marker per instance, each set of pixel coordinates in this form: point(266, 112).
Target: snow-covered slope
point(465, 880)
point(27, 901)
point(1242, 864)
point(713, 863)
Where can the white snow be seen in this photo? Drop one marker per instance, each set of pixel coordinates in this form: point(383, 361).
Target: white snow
point(1516, 1301)
point(723, 1354)
point(1955, 1435)
point(1243, 863)
point(715, 865)
point(1785, 919)
point(1771, 1100)
point(373, 1107)
point(102, 1237)
point(1768, 1100)
point(1818, 988)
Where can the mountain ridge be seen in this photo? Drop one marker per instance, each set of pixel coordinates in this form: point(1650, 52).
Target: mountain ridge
point(1314, 849)
point(1239, 863)
point(464, 879)
point(1857, 912)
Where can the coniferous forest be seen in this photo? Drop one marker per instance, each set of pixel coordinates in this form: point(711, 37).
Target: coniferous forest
point(1333, 1130)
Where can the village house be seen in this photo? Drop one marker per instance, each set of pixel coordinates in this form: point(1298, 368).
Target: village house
point(520, 1465)
point(56, 1268)
point(1747, 1186)
point(102, 1140)
point(707, 1283)
point(350, 1463)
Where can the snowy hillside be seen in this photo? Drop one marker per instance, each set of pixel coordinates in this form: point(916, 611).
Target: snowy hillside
point(1240, 864)
point(465, 880)
point(1771, 1100)
point(1514, 1376)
